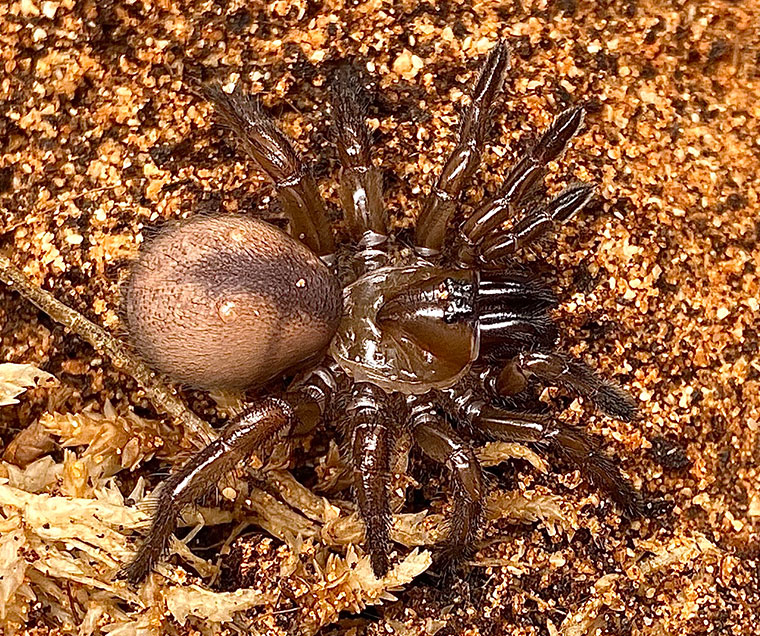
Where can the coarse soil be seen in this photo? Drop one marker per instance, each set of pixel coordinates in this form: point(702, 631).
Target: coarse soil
point(104, 135)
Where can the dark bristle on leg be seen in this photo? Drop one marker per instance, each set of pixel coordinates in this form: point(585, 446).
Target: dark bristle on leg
point(465, 158)
point(370, 444)
point(255, 429)
point(275, 155)
point(360, 182)
point(438, 441)
point(603, 473)
point(578, 378)
point(574, 444)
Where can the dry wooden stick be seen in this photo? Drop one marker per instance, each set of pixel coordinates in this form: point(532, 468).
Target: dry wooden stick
point(162, 397)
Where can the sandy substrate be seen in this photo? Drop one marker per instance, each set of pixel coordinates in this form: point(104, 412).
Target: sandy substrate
point(103, 135)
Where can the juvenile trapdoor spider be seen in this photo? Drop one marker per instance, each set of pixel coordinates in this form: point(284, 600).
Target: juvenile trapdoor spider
point(446, 333)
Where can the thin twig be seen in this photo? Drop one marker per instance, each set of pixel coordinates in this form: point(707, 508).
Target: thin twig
point(54, 204)
point(162, 397)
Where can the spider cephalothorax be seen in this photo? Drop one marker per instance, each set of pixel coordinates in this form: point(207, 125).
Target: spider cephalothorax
point(419, 341)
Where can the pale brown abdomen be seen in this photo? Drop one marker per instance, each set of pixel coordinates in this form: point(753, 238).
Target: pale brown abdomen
point(227, 303)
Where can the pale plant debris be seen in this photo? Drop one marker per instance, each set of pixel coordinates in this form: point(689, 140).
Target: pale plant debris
point(529, 508)
point(408, 529)
point(348, 583)
point(55, 538)
point(298, 496)
point(113, 442)
point(431, 627)
point(17, 378)
point(30, 444)
point(50, 542)
point(494, 453)
point(679, 551)
point(104, 342)
point(218, 607)
point(67, 529)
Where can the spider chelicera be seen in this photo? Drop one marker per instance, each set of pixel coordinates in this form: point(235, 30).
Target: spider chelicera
point(445, 338)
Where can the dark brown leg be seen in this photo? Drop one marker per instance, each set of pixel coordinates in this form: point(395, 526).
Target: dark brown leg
point(312, 393)
point(536, 223)
point(258, 426)
point(371, 457)
point(440, 443)
point(275, 155)
point(571, 443)
point(440, 205)
point(523, 177)
point(361, 187)
point(573, 375)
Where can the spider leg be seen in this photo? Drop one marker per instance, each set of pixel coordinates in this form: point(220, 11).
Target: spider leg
point(275, 155)
point(361, 184)
point(572, 375)
point(566, 441)
point(261, 423)
point(314, 392)
point(438, 441)
point(440, 205)
point(371, 447)
point(536, 222)
point(523, 176)
point(473, 410)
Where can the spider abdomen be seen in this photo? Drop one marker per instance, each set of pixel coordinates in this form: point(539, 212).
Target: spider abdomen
point(226, 303)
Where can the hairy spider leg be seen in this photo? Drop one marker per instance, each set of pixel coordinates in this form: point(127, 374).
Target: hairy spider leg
point(261, 423)
point(574, 376)
point(275, 155)
point(315, 391)
point(474, 411)
point(361, 183)
point(371, 445)
point(575, 445)
point(438, 441)
point(465, 158)
point(536, 222)
point(521, 179)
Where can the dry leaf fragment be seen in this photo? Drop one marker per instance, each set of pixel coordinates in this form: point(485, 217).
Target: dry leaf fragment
point(219, 607)
point(545, 508)
point(113, 441)
point(12, 566)
point(30, 444)
point(494, 453)
point(679, 552)
point(17, 378)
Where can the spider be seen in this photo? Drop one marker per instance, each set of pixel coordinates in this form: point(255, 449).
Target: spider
point(447, 338)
